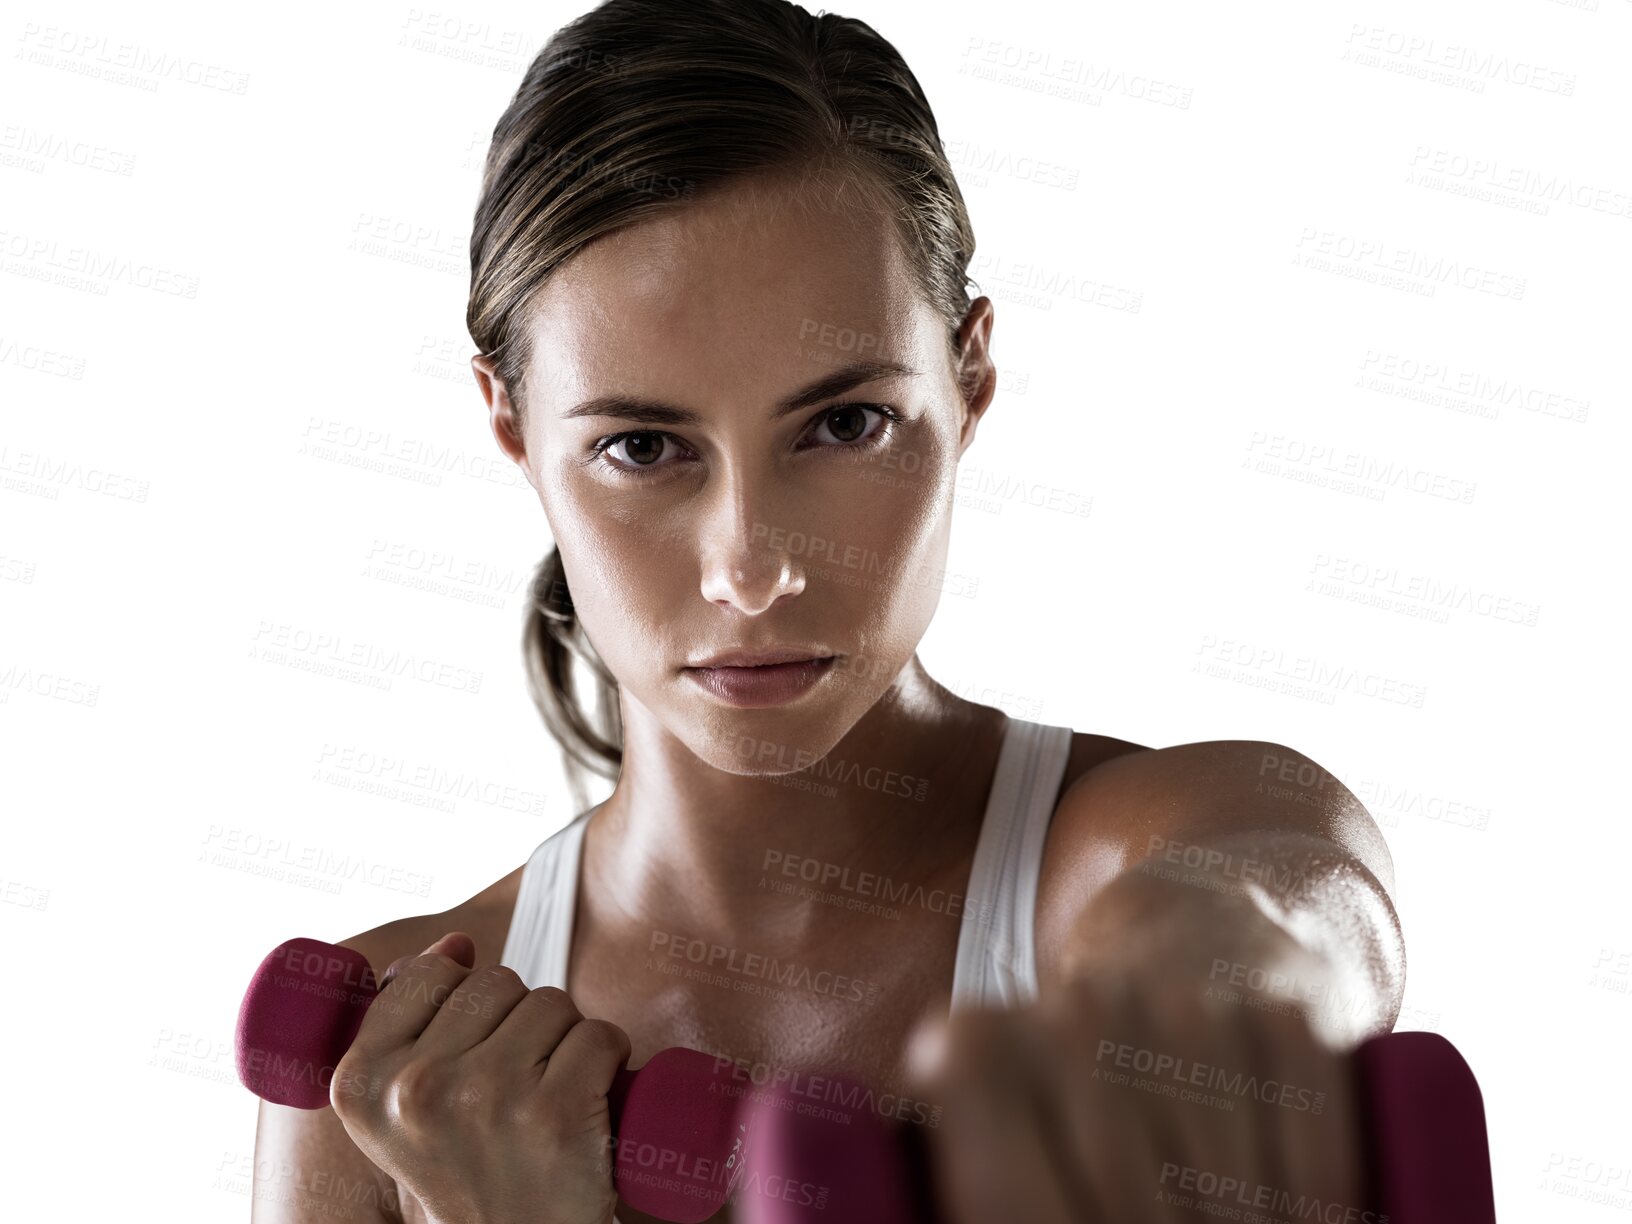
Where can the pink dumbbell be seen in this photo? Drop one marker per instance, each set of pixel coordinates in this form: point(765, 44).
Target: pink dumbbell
point(689, 1135)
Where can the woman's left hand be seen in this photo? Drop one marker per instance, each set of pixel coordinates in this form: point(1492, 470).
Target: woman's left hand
point(1133, 1096)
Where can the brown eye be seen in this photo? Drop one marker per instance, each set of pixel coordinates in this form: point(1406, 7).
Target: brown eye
point(848, 423)
point(642, 449)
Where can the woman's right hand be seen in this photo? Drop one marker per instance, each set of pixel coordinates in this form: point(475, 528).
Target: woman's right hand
point(484, 1099)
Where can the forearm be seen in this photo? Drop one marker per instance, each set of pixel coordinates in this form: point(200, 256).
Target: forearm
point(1267, 916)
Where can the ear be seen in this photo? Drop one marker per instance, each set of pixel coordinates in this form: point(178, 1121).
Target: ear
point(976, 375)
point(502, 414)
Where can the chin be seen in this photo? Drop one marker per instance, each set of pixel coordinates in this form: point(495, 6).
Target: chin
point(764, 743)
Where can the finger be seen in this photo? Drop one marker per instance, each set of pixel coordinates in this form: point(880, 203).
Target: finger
point(409, 1002)
point(1085, 1117)
point(473, 1011)
point(1319, 1153)
point(455, 943)
point(1270, 1053)
point(1216, 1125)
point(993, 1161)
point(534, 1027)
point(579, 1072)
point(1280, 1053)
point(1124, 1135)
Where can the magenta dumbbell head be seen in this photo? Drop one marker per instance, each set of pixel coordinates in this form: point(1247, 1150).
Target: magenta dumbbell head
point(679, 1141)
point(298, 1018)
point(823, 1153)
point(1427, 1154)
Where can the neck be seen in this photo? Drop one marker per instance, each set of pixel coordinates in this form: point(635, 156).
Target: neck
point(681, 843)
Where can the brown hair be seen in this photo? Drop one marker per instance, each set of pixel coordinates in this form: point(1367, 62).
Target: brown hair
point(635, 108)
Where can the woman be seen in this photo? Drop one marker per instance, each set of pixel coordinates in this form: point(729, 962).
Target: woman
point(718, 288)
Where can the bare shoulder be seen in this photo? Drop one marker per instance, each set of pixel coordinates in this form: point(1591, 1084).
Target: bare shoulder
point(484, 916)
point(1115, 811)
point(1076, 861)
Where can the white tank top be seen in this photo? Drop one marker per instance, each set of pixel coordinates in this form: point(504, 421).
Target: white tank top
point(997, 954)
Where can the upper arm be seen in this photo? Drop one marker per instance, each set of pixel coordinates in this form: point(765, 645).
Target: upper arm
point(307, 1169)
point(1233, 787)
point(1162, 800)
point(1136, 805)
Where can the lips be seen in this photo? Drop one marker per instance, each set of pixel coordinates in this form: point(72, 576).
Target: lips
point(765, 657)
point(761, 685)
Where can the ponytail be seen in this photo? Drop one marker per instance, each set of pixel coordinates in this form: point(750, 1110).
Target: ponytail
point(591, 739)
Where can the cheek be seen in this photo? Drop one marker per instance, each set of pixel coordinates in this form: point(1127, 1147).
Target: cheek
point(898, 509)
point(625, 584)
point(881, 563)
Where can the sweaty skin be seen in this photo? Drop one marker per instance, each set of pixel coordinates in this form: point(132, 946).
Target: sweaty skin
point(749, 529)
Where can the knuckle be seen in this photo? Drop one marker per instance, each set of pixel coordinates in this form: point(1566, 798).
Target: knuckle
point(601, 1035)
point(520, 1111)
point(417, 1093)
point(495, 976)
point(492, 987)
point(352, 1088)
point(551, 998)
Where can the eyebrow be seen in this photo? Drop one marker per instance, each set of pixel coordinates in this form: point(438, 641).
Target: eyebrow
point(652, 412)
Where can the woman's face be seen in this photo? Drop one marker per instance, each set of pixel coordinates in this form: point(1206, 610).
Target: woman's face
point(749, 527)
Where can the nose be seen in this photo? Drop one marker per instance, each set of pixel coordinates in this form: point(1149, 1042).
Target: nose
point(749, 562)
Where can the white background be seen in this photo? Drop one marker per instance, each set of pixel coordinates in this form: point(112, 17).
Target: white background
point(1150, 539)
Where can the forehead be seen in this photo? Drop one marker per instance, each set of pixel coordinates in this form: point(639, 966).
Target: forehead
point(728, 301)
